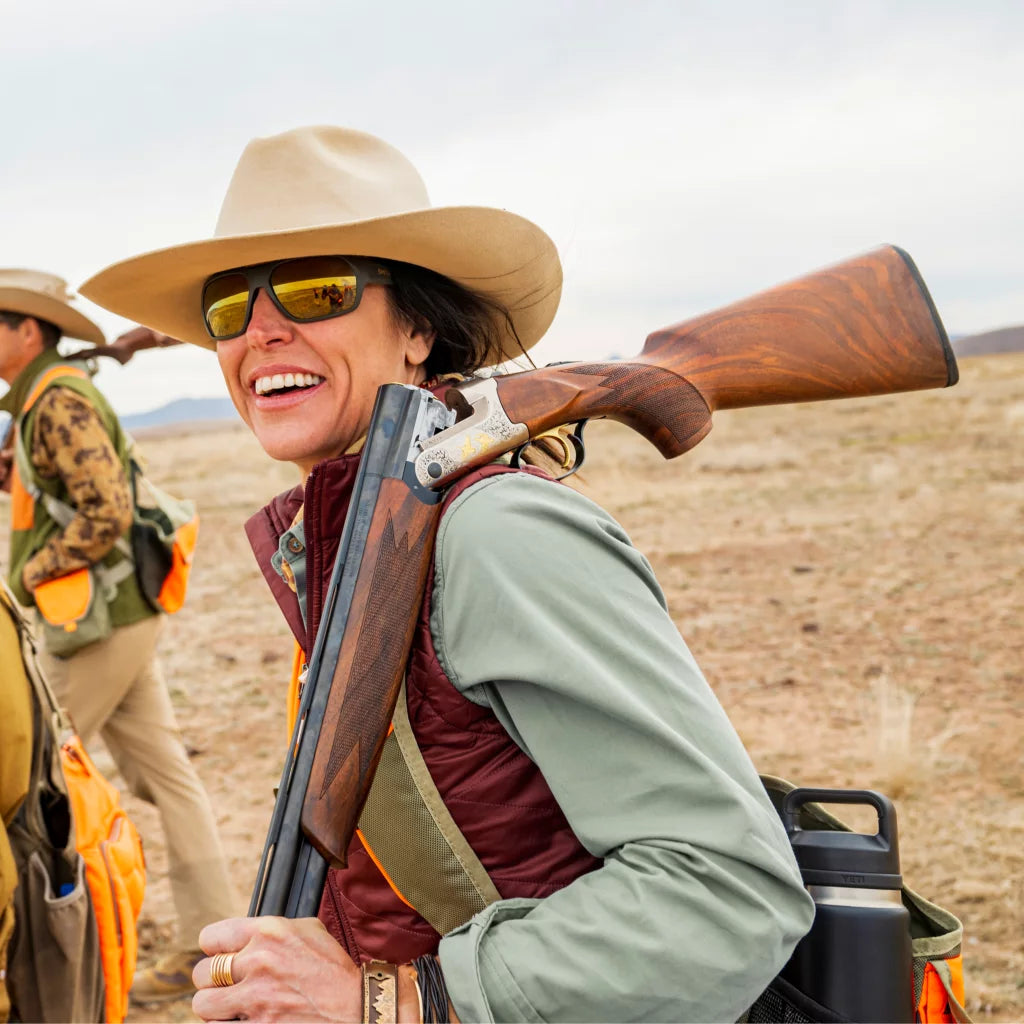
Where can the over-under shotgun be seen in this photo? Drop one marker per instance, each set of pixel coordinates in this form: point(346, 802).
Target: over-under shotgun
point(863, 327)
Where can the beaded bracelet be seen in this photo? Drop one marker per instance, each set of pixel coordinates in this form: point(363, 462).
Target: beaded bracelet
point(433, 992)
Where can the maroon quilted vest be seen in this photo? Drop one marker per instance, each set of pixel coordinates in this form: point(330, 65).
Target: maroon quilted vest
point(494, 792)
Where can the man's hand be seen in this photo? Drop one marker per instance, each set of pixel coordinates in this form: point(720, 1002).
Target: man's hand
point(126, 345)
point(286, 970)
point(143, 337)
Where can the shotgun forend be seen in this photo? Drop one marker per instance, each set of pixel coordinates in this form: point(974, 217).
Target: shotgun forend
point(358, 659)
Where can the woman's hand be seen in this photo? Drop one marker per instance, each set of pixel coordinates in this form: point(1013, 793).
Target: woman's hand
point(284, 970)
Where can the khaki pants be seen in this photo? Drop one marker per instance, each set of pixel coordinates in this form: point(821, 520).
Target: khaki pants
point(115, 688)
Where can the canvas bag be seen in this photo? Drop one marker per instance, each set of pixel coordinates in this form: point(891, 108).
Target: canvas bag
point(163, 541)
point(73, 611)
point(54, 969)
point(77, 836)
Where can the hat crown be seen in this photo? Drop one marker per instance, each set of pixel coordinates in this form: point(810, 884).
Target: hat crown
point(316, 176)
point(38, 281)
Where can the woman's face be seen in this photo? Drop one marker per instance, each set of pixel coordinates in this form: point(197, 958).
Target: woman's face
point(307, 390)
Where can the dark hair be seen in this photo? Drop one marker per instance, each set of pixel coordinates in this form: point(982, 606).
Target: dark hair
point(467, 325)
point(51, 332)
point(469, 330)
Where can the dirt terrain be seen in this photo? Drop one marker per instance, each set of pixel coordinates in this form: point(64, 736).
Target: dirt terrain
point(848, 574)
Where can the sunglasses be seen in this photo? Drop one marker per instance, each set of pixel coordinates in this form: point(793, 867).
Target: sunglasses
point(305, 290)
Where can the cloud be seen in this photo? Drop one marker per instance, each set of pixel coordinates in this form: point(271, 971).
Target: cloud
point(680, 155)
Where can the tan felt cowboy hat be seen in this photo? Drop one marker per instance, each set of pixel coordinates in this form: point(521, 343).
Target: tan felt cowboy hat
point(46, 297)
point(333, 191)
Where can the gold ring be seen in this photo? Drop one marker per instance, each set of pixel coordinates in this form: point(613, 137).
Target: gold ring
point(220, 970)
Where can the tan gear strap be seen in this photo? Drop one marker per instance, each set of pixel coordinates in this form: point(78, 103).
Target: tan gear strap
point(411, 835)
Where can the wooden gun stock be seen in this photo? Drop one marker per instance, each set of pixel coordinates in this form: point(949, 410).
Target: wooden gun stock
point(866, 326)
point(370, 668)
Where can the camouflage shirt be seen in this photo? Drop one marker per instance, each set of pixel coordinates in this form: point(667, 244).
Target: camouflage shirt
point(70, 443)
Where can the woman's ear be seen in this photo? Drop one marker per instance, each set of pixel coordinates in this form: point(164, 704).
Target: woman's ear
point(418, 344)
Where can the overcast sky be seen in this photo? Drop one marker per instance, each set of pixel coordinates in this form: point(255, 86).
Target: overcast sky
point(681, 154)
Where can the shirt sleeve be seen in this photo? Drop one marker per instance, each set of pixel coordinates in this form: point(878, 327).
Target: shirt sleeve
point(545, 612)
point(70, 443)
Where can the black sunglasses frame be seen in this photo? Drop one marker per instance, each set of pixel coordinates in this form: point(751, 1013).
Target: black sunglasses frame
point(257, 275)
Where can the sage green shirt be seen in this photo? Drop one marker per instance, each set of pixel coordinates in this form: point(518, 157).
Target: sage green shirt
point(544, 612)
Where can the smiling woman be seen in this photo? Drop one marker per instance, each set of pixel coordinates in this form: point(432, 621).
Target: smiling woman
point(651, 882)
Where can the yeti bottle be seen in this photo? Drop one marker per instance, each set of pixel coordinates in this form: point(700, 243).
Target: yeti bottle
point(856, 959)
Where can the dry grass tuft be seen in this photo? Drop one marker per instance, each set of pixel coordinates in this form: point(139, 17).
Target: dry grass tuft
point(898, 763)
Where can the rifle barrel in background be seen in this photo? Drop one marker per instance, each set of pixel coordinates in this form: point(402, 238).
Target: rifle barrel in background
point(126, 345)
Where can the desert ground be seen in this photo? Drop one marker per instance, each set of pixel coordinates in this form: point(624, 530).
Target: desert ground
point(848, 574)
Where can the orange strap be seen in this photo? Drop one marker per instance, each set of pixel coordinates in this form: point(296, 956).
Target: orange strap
point(380, 868)
point(22, 503)
point(48, 378)
point(939, 1005)
point(294, 686)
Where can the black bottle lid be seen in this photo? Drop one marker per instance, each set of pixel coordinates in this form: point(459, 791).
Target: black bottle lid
point(844, 859)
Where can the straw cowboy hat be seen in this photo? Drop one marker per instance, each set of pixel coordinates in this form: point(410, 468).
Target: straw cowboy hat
point(46, 297)
point(320, 191)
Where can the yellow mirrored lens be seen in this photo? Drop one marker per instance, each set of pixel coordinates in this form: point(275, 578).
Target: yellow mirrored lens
point(224, 304)
point(317, 287)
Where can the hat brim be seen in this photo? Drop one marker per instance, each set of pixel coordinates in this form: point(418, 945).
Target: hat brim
point(72, 324)
point(489, 251)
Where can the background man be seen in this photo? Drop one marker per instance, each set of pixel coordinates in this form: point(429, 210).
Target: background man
point(79, 453)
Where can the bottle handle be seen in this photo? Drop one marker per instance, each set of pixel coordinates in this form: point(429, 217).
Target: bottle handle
point(797, 798)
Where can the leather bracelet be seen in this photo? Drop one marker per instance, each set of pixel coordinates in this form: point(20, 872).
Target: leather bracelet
point(380, 992)
point(433, 991)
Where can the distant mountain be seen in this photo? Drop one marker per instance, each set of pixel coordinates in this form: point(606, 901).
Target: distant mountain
point(1006, 339)
point(182, 410)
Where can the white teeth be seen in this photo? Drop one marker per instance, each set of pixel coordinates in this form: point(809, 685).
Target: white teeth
point(265, 385)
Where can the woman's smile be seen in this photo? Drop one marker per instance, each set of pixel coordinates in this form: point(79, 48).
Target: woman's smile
point(274, 382)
